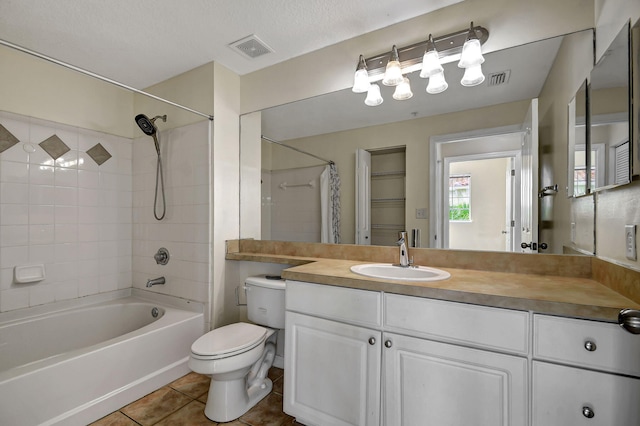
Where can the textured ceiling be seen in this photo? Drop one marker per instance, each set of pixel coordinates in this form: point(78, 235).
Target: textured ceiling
point(143, 42)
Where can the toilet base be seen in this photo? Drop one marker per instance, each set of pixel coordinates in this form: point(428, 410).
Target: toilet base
point(228, 400)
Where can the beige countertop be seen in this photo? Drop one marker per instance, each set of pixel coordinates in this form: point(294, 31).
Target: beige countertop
point(556, 291)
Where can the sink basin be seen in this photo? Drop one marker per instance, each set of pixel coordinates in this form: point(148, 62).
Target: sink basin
point(388, 271)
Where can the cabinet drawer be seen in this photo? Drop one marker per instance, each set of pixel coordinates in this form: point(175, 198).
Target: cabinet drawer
point(564, 396)
point(565, 340)
point(360, 307)
point(472, 325)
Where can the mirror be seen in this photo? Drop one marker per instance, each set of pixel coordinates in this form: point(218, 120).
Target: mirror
point(609, 102)
point(335, 125)
point(578, 184)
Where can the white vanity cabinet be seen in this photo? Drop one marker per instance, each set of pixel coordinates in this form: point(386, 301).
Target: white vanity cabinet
point(426, 363)
point(332, 355)
point(584, 373)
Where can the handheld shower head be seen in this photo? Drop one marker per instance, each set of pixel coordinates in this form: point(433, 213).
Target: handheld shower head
point(146, 125)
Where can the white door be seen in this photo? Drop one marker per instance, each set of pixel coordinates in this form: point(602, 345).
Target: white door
point(529, 182)
point(333, 372)
point(432, 383)
point(564, 396)
point(363, 197)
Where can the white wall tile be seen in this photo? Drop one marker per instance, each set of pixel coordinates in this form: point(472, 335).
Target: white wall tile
point(14, 214)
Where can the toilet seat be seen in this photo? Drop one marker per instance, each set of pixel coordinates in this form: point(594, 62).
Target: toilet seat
point(228, 341)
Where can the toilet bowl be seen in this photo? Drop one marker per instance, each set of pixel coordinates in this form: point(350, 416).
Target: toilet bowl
point(238, 356)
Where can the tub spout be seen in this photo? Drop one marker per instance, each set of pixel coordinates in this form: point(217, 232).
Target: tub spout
point(155, 281)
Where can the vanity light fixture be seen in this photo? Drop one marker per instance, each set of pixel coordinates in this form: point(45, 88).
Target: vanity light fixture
point(426, 56)
point(393, 72)
point(361, 82)
point(471, 60)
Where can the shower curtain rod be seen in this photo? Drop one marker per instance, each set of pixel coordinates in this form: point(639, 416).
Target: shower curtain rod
point(295, 149)
point(99, 77)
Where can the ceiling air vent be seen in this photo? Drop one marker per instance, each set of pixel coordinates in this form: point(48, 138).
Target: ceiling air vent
point(251, 47)
point(498, 78)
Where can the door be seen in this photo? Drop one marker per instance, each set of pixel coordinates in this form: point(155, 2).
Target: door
point(333, 372)
point(363, 197)
point(529, 181)
point(432, 383)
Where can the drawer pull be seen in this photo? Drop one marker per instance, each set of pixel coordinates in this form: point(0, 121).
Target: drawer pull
point(590, 346)
point(372, 341)
point(388, 343)
point(588, 412)
point(629, 319)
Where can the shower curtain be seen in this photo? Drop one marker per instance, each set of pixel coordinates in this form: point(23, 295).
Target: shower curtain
point(330, 204)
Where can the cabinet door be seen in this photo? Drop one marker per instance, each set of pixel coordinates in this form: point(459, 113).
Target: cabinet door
point(564, 396)
point(432, 384)
point(332, 372)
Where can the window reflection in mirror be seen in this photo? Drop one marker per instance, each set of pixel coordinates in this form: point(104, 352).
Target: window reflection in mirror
point(609, 113)
point(580, 170)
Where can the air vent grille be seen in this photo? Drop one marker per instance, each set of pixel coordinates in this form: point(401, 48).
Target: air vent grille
point(499, 78)
point(251, 47)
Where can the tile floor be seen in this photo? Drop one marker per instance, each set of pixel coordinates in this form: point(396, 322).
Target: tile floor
point(182, 403)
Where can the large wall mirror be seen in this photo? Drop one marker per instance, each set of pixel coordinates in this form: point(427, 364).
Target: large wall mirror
point(334, 126)
point(580, 174)
point(609, 103)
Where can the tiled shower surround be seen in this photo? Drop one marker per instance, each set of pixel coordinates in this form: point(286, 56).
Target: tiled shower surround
point(91, 225)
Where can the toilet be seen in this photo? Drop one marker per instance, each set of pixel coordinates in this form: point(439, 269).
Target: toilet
point(238, 356)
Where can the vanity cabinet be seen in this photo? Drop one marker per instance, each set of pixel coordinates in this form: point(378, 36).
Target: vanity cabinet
point(584, 373)
point(346, 366)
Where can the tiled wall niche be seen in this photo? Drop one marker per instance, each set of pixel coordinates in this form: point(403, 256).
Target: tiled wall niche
point(70, 214)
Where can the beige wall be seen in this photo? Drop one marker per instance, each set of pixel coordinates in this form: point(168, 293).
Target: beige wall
point(34, 87)
point(414, 134)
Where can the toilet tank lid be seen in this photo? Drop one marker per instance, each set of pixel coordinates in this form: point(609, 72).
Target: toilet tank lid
point(263, 281)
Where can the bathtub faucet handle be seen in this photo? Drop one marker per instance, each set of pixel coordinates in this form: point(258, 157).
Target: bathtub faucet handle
point(155, 281)
point(162, 256)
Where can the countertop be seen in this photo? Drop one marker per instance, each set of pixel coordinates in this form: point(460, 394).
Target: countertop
point(562, 294)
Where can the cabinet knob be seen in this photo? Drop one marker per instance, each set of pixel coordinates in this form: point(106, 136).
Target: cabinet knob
point(588, 412)
point(590, 346)
point(388, 344)
point(629, 319)
point(372, 340)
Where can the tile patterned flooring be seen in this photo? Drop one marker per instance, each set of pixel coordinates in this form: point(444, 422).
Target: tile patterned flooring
point(182, 403)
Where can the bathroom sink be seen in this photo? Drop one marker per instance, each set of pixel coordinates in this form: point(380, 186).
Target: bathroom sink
point(393, 272)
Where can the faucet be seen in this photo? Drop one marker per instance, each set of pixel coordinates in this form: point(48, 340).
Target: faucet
point(404, 254)
point(155, 281)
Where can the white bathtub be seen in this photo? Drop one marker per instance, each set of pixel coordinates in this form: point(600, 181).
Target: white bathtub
point(72, 366)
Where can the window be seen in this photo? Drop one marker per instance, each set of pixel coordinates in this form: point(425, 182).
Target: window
point(460, 198)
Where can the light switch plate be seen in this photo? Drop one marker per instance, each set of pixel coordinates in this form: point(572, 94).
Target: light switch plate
point(421, 213)
point(630, 242)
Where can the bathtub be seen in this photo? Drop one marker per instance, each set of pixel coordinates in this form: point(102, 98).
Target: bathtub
point(72, 365)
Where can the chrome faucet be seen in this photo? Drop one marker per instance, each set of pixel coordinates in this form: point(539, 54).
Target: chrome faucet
point(404, 254)
point(155, 281)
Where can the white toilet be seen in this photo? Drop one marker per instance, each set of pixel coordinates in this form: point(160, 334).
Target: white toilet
point(238, 356)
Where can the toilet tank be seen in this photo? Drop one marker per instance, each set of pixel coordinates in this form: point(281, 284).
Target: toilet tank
point(265, 300)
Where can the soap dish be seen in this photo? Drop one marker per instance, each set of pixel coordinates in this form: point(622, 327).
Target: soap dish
point(28, 273)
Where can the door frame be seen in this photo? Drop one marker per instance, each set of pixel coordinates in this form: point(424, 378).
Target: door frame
point(436, 173)
point(514, 200)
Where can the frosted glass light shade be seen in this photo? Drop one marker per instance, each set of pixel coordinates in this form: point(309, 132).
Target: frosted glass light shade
point(472, 76)
point(430, 64)
point(374, 98)
point(471, 54)
point(393, 74)
point(361, 82)
point(437, 83)
point(403, 90)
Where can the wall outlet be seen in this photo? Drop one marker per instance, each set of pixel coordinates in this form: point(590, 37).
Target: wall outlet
point(421, 213)
point(630, 242)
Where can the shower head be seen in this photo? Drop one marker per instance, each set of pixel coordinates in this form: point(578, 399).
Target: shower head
point(147, 125)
